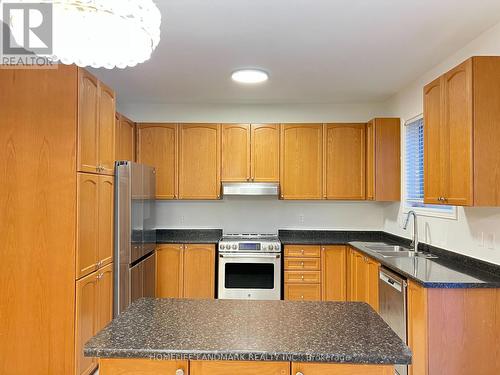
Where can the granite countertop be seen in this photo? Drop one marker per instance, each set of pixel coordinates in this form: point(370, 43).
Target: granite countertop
point(341, 332)
point(448, 270)
point(181, 236)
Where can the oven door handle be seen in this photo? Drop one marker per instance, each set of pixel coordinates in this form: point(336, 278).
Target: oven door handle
point(262, 256)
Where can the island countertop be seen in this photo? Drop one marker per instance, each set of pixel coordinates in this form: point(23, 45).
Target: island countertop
point(245, 330)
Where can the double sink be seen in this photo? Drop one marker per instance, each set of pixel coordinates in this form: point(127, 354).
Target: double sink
point(396, 251)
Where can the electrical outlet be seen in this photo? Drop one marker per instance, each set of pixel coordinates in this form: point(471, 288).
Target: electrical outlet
point(301, 219)
point(481, 240)
point(490, 241)
point(182, 219)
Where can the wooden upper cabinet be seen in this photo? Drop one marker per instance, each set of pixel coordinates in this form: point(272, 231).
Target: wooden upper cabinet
point(169, 264)
point(125, 139)
point(106, 138)
point(105, 297)
point(333, 268)
point(86, 322)
point(88, 122)
point(106, 219)
point(457, 135)
point(87, 241)
point(462, 136)
point(433, 142)
point(345, 161)
point(301, 161)
point(265, 146)
point(383, 159)
point(157, 147)
point(96, 125)
point(199, 161)
point(199, 271)
point(236, 152)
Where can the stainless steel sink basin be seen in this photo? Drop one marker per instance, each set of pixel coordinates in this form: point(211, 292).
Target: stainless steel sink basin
point(405, 254)
point(387, 248)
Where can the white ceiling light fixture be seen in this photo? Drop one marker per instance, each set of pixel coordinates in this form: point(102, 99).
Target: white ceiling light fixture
point(250, 76)
point(102, 33)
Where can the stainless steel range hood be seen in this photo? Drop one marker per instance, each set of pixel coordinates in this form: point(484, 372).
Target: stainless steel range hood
point(251, 188)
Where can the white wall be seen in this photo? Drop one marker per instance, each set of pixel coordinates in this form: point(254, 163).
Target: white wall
point(464, 235)
point(267, 214)
point(249, 113)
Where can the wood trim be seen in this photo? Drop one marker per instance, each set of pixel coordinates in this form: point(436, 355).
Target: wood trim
point(417, 328)
point(340, 369)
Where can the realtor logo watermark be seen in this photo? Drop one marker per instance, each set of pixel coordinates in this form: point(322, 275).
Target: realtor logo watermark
point(26, 35)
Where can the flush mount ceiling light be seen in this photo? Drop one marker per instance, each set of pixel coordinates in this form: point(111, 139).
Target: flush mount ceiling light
point(250, 76)
point(101, 33)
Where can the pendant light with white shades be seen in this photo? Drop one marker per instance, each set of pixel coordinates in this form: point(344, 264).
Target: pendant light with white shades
point(102, 33)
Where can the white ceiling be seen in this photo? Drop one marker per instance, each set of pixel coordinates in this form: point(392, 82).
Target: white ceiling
point(316, 51)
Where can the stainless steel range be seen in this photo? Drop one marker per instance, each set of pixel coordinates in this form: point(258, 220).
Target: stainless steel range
point(250, 267)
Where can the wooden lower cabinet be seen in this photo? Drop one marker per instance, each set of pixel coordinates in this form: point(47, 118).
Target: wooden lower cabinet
point(185, 271)
point(362, 279)
point(238, 367)
point(302, 292)
point(113, 366)
point(169, 271)
point(159, 367)
point(453, 331)
point(333, 266)
point(94, 310)
point(340, 369)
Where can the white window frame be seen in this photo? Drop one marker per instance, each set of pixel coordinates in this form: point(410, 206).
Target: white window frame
point(422, 211)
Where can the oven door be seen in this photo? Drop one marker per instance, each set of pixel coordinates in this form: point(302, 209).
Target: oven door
point(250, 276)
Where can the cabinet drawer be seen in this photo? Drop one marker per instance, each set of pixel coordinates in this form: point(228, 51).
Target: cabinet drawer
point(302, 251)
point(301, 277)
point(306, 264)
point(303, 292)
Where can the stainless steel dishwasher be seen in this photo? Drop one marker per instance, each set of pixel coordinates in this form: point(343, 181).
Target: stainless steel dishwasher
point(392, 299)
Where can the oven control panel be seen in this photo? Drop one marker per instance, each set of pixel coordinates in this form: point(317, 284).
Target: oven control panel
point(250, 246)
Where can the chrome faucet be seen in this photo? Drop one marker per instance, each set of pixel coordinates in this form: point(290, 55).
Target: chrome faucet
point(414, 244)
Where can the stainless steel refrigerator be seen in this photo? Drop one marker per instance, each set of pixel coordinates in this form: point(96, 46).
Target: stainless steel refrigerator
point(135, 233)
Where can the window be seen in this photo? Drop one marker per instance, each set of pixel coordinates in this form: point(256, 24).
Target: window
point(414, 173)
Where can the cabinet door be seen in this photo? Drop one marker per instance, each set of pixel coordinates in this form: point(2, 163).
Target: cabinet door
point(340, 369)
point(157, 147)
point(105, 289)
point(199, 271)
point(120, 366)
point(265, 152)
point(125, 139)
point(88, 123)
point(169, 264)
point(238, 367)
point(302, 161)
point(303, 292)
point(360, 290)
point(458, 135)
point(370, 160)
point(236, 152)
point(87, 243)
point(106, 219)
point(417, 328)
point(199, 161)
point(86, 321)
point(106, 137)
point(333, 267)
point(433, 142)
point(345, 161)
point(372, 271)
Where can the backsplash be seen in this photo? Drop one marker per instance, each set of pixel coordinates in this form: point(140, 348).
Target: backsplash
point(268, 214)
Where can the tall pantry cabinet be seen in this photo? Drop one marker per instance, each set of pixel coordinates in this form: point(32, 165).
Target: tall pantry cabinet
point(56, 166)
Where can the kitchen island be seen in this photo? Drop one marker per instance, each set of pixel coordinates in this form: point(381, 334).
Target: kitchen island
point(181, 336)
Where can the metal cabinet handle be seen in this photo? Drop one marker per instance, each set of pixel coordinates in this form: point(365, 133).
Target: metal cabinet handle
point(302, 251)
point(179, 371)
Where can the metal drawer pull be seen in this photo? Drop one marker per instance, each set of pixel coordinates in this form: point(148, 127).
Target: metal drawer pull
point(179, 372)
point(299, 373)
